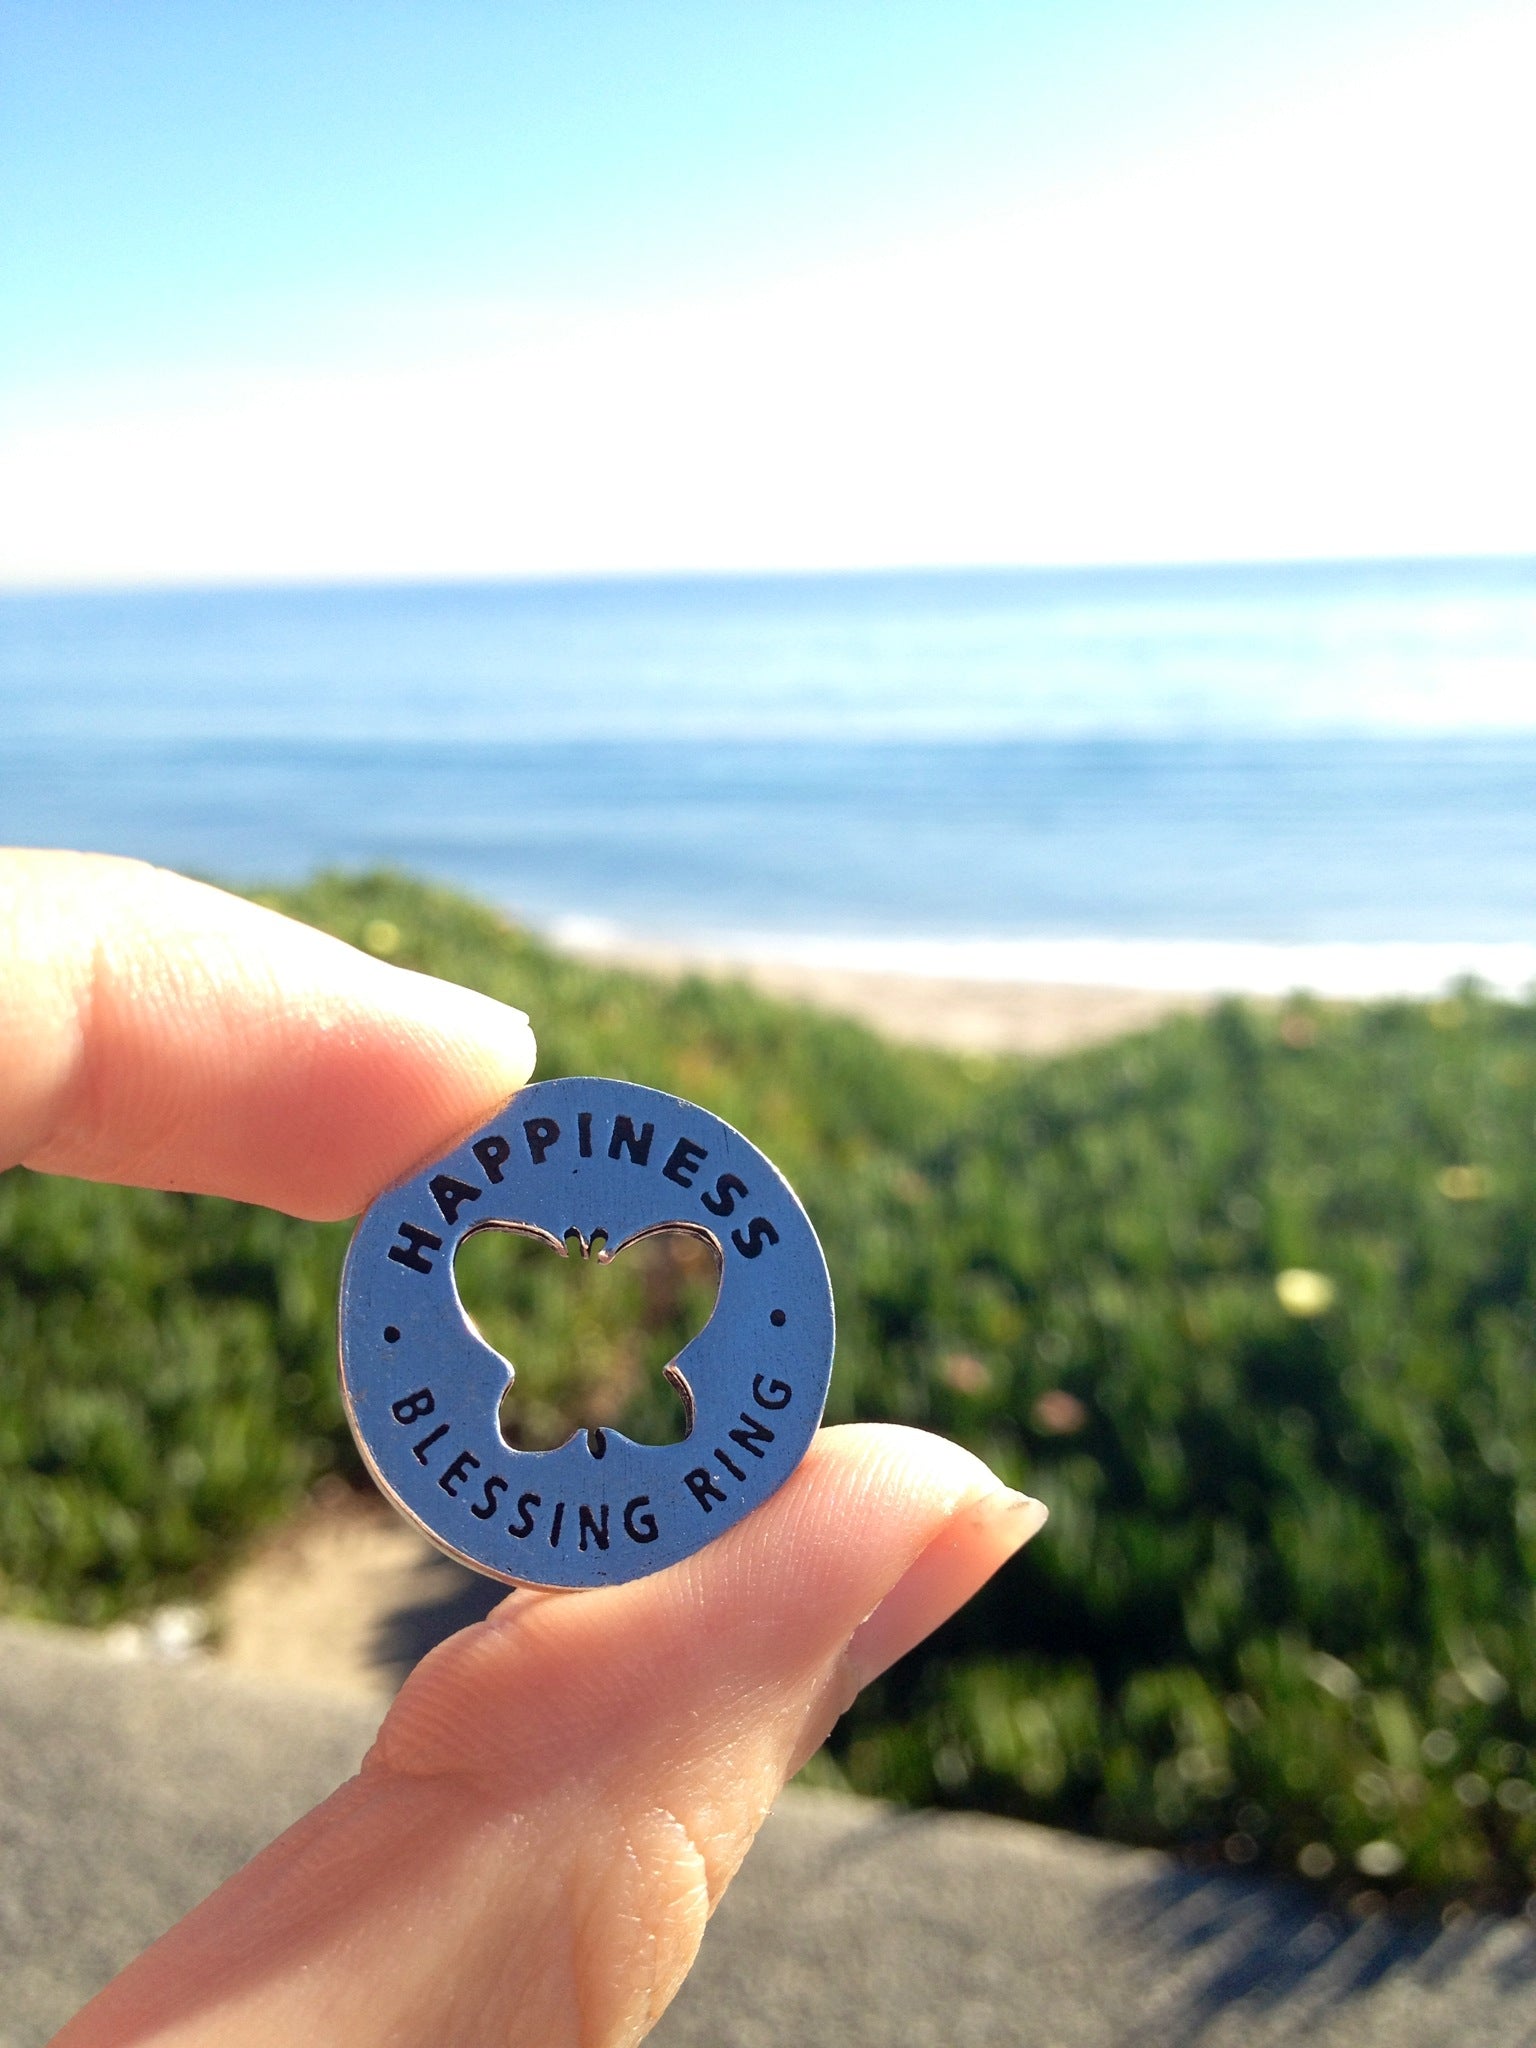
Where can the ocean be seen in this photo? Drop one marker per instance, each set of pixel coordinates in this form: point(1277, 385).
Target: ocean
point(1247, 778)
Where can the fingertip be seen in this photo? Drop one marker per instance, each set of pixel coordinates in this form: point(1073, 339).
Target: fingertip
point(492, 1039)
point(900, 1476)
point(921, 1522)
point(161, 1032)
point(423, 1063)
point(765, 1611)
point(976, 1542)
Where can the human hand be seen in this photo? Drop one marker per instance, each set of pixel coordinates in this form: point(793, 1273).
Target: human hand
point(560, 1794)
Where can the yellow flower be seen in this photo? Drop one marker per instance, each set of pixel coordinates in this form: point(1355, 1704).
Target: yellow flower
point(1463, 1183)
point(1301, 1292)
point(381, 937)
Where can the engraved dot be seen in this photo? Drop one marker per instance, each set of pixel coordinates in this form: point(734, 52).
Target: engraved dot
point(391, 1334)
point(778, 1319)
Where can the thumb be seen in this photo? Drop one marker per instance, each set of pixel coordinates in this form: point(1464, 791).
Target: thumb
point(560, 1795)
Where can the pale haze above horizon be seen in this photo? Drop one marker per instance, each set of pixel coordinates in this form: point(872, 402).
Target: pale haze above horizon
point(470, 291)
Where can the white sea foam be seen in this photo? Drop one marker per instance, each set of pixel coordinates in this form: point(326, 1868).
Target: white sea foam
point(1229, 966)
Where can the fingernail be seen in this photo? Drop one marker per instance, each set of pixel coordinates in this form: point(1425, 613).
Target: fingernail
point(971, 1546)
point(463, 1013)
point(957, 1563)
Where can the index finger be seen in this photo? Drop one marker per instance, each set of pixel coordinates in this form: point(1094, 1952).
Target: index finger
point(156, 1031)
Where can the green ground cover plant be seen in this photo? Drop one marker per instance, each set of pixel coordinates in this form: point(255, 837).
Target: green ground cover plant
point(1248, 1299)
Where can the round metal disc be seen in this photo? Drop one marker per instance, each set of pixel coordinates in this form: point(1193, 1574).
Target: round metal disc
point(611, 1162)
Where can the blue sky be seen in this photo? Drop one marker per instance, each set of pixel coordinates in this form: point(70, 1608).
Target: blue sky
point(469, 289)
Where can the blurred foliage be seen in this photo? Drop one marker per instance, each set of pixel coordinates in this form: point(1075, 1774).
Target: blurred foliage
point(591, 1339)
point(1247, 1299)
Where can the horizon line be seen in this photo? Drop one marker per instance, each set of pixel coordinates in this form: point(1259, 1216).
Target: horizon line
point(891, 572)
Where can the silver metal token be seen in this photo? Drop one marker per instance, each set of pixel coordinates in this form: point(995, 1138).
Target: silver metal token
point(611, 1162)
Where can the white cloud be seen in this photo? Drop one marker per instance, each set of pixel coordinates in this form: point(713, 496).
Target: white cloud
point(1310, 338)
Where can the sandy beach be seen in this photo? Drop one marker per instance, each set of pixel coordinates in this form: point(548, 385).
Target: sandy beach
point(983, 1017)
